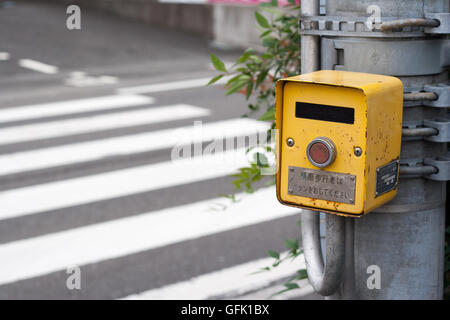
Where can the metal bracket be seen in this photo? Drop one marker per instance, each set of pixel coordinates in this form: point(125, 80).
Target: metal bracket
point(444, 23)
point(442, 91)
point(443, 167)
point(430, 130)
point(353, 27)
point(357, 26)
point(443, 128)
point(433, 95)
point(433, 169)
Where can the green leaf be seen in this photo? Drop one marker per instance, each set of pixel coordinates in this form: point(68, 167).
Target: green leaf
point(252, 107)
point(249, 51)
point(215, 79)
point(262, 21)
point(261, 159)
point(260, 271)
point(231, 197)
point(269, 115)
point(249, 89)
point(274, 254)
point(242, 59)
point(237, 85)
point(233, 79)
point(269, 42)
point(302, 274)
point(261, 77)
point(291, 244)
point(272, 3)
point(265, 33)
point(291, 286)
point(255, 58)
point(217, 63)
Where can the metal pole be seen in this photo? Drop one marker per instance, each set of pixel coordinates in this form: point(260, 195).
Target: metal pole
point(404, 239)
point(310, 44)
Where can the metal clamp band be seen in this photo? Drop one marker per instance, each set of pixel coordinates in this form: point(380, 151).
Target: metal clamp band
point(432, 169)
point(351, 27)
point(442, 91)
point(434, 23)
point(444, 23)
point(443, 128)
point(402, 208)
point(430, 130)
point(388, 56)
point(443, 166)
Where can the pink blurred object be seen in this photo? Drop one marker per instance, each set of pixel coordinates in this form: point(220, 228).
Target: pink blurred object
point(250, 2)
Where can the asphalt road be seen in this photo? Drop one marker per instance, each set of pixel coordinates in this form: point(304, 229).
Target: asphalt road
point(86, 179)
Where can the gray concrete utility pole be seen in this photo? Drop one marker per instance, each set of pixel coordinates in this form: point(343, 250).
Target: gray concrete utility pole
point(401, 243)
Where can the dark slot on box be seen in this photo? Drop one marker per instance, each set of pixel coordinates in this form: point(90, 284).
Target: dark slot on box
point(324, 112)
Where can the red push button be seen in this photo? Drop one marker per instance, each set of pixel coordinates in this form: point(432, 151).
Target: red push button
point(321, 152)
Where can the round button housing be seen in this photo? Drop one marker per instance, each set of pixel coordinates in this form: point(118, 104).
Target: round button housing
point(321, 152)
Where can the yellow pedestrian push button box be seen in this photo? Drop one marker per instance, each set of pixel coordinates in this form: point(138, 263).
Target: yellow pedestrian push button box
point(339, 138)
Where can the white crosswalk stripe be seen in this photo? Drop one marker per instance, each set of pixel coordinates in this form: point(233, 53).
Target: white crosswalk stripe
point(38, 66)
point(230, 282)
point(4, 56)
point(30, 112)
point(67, 193)
point(148, 141)
point(91, 124)
point(170, 86)
point(39, 256)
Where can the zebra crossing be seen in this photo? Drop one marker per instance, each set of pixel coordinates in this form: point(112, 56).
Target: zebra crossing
point(32, 132)
point(35, 266)
point(78, 106)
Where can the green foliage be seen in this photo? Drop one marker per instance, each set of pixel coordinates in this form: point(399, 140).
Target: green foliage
point(254, 74)
point(262, 21)
point(217, 63)
point(293, 252)
point(274, 254)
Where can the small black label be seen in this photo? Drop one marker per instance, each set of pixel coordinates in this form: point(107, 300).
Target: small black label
point(387, 178)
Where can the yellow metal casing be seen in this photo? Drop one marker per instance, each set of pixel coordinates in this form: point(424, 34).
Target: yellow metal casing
point(353, 184)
